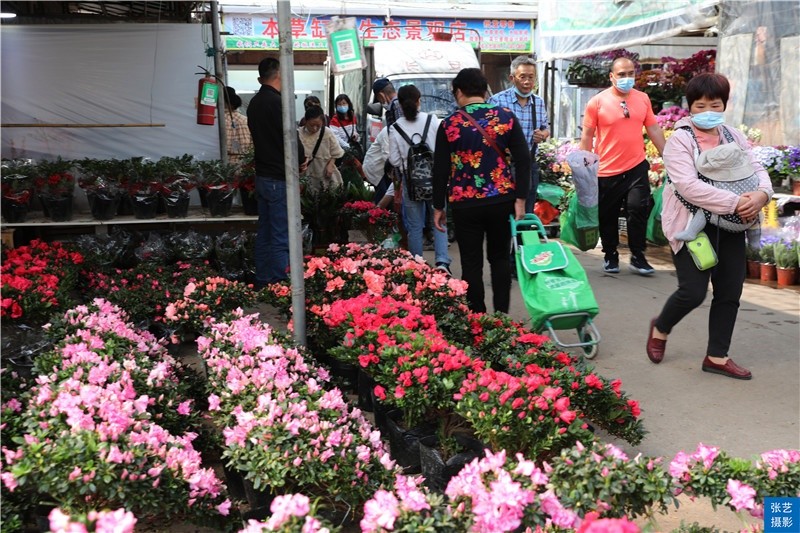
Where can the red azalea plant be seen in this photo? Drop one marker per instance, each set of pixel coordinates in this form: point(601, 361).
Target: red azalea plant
point(520, 413)
point(37, 280)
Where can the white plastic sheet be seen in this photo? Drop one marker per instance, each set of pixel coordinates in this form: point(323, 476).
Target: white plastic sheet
point(573, 28)
point(103, 74)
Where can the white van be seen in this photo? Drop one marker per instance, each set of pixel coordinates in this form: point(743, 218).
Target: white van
point(429, 65)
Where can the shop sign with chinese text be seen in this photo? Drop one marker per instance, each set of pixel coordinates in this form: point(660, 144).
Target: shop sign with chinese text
point(251, 32)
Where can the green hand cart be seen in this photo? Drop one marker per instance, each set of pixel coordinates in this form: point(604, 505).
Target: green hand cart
point(554, 286)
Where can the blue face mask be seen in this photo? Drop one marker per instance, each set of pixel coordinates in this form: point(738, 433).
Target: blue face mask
point(708, 119)
point(522, 94)
point(343, 109)
point(625, 84)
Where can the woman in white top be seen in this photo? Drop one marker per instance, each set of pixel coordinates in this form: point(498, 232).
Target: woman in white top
point(415, 213)
point(323, 149)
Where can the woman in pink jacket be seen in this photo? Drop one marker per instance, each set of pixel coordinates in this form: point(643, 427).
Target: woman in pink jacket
point(707, 95)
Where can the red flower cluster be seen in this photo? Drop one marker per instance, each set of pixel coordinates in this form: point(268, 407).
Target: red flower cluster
point(37, 280)
point(520, 413)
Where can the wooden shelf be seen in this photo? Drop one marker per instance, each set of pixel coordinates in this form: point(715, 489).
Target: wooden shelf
point(196, 215)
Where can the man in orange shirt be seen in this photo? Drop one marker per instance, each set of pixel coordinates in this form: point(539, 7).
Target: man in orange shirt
point(613, 124)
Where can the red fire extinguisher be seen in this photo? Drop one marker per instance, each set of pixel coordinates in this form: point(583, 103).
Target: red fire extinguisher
point(207, 93)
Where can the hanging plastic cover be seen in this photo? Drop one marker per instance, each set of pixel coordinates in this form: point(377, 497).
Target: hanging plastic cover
point(573, 28)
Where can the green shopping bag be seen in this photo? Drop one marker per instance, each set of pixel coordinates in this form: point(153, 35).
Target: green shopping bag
point(553, 282)
point(655, 232)
point(579, 225)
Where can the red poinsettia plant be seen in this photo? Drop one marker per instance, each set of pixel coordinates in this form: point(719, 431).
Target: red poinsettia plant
point(17, 180)
point(55, 178)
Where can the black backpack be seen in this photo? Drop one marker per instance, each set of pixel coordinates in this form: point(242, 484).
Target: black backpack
point(419, 165)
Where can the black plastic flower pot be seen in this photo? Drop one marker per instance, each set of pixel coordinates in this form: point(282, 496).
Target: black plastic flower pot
point(438, 472)
point(257, 498)
point(220, 202)
point(404, 443)
point(104, 205)
point(345, 375)
point(57, 208)
point(145, 206)
point(365, 386)
point(249, 201)
point(177, 205)
point(235, 483)
point(14, 212)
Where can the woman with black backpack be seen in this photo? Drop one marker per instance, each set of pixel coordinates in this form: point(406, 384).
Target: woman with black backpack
point(412, 141)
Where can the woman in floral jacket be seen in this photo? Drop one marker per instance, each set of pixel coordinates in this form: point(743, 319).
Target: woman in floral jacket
point(476, 148)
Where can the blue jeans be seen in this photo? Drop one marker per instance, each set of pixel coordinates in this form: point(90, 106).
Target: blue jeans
point(530, 202)
point(415, 215)
point(272, 239)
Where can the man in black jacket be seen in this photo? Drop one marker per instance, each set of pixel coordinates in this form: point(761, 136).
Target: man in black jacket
point(265, 120)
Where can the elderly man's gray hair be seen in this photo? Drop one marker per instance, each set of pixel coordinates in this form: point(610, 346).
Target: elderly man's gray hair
point(521, 60)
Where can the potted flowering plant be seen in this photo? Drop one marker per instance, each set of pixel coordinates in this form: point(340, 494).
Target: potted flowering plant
point(771, 158)
point(409, 507)
point(91, 439)
point(176, 180)
point(120, 521)
point(55, 184)
point(734, 482)
point(291, 513)
point(592, 70)
point(600, 478)
point(698, 63)
point(786, 262)
point(102, 180)
point(664, 87)
point(520, 414)
point(217, 182)
point(205, 301)
point(247, 183)
point(281, 428)
point(790, 166)
point(38, 280)
point(767, 254)
point(17, 188)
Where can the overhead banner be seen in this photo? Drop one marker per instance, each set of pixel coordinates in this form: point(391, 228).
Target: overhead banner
point(249, 32)
point(573, 28)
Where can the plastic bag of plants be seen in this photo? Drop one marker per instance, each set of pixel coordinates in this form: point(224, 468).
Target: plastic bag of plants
point(20, 345)
point(127, 242)
point(248, 257)
point(107, 251)
point(308, 239)
point(153, 250)
point(99, 251)
point(229, 250)
point(190, 245)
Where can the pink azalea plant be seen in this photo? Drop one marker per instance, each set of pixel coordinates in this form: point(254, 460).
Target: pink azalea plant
point(734, 482)
point(119, 521)
point(277, 416)
point(205, 301)
point(90, 437)
point(290, 513)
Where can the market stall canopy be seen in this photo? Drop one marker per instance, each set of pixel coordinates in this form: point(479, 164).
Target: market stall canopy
point(574, 28)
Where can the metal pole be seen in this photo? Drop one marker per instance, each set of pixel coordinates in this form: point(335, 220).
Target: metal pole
point(292, 173)
point(219, 73)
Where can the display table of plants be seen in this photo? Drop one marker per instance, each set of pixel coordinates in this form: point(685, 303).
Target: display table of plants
point(124, 191)
point(479, 423)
